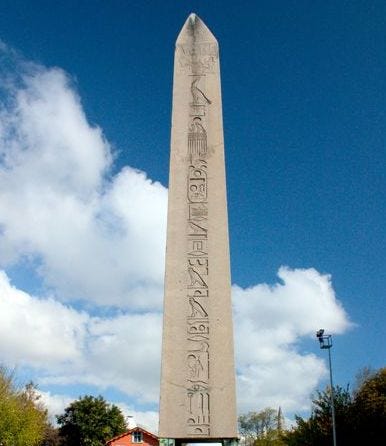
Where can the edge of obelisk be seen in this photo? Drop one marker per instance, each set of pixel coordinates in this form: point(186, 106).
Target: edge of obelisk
point(194, 28)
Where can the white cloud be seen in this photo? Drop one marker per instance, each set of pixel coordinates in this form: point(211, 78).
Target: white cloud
point(38, 332)
point(70, 347)
point(96, 237)
point(131, 344)
point(270, 323)
point(55, 404)
point(147, 419)
point(121, 352)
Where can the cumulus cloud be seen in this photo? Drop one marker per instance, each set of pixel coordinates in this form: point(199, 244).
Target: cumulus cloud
point(274, 320)
point(147, 419)
point(71, 347)
point(55, 404)
point(95, 237)
point(121, 352)
point(38, 332)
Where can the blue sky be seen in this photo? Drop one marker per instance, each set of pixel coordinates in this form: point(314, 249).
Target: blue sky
point(304, 94)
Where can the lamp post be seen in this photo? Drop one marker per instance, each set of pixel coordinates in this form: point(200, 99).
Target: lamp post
point(325, 341)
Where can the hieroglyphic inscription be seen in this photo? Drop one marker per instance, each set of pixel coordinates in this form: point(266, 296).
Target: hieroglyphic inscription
point(197, 144)
point(198, 404)
point(197, 261)
point(197, 183)
point(200, 59)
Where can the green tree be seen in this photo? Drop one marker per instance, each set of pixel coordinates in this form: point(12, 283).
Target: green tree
point(368, 414)
point(51, 437)
point(22, 417)
point(90, 421)
point(262, 428)
point(360, 415)
point(317, 430)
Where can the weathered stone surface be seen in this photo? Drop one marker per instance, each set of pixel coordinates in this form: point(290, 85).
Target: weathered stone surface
point(198, 377)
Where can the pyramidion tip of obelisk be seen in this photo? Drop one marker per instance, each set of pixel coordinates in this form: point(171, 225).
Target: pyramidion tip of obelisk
point(194, 29)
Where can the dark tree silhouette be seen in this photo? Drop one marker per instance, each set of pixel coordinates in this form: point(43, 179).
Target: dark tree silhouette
point(90, 421)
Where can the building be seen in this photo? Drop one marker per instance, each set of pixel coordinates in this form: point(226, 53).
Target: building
point(137, 436)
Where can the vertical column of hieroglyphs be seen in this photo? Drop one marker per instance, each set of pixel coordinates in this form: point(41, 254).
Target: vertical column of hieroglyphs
point(198, 263)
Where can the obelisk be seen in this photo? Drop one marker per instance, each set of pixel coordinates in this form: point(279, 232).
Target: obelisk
point(198, 377)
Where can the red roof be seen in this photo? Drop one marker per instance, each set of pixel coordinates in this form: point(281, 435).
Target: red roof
point(134, 429)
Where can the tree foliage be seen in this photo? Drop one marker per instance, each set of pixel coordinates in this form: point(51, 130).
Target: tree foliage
point(23, 418)
point(317, 430)
point(90, 421)
point(51, 437)
point(261, 428)
point(369, 408)
point(360, 415)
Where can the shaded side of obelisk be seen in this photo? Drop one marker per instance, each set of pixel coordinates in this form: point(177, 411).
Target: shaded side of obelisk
point(198, 376)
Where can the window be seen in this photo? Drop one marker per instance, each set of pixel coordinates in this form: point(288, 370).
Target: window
point(137, 437)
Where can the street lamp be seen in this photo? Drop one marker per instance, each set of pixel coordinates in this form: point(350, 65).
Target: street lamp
point(325, 341)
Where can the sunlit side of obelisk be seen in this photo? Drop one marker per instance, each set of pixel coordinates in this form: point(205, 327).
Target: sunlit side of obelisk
point(198, 376)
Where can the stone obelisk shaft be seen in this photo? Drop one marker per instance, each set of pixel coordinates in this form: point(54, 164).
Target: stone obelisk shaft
point(198, 376)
